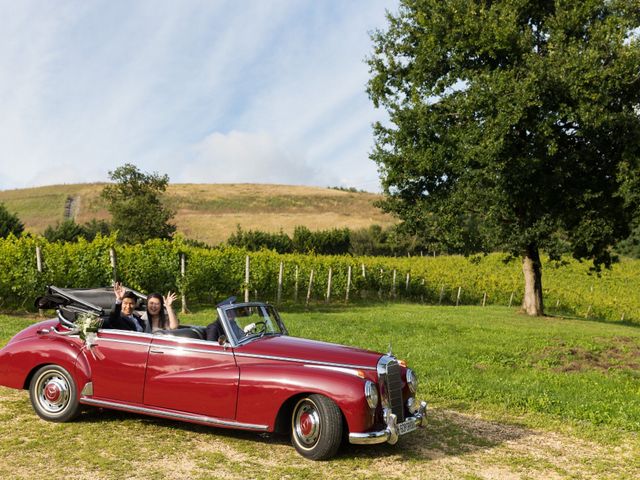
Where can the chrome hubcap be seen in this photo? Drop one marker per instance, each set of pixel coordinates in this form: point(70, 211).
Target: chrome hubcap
point(307, 423)
point(52, 392)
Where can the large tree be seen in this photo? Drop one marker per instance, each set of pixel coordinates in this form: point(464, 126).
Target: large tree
point(520, 115)
point(134, 201)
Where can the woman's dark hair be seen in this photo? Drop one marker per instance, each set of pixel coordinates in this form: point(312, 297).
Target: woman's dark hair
point(164, 321)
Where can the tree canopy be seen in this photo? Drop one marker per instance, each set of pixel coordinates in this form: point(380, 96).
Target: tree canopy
point(134, 201)
point(520, 115)
point(9, 223)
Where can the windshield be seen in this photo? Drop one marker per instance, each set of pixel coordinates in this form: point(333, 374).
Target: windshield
point(249, 322)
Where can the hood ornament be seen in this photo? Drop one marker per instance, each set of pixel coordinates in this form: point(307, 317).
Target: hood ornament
point(390, 353)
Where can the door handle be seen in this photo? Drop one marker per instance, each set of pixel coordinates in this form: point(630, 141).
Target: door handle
point(156, 351)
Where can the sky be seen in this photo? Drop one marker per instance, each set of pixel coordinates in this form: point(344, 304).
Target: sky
point(211, 91)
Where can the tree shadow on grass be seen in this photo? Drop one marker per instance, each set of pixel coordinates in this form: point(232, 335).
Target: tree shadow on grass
point(447, 433)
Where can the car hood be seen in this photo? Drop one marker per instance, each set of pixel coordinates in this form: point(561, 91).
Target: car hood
point(311, 351)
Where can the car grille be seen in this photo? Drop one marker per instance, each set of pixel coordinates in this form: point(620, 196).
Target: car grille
point(394, 389)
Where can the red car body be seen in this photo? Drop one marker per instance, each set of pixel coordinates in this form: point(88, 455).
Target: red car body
point(272, 382)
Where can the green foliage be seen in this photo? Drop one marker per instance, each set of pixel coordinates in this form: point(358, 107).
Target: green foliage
point(135, 205)
point(523, 115)
point(213, 274)
point(255, 240)
point(325, 242)
point(9, 223)
point(70, 231)
point(65, 231)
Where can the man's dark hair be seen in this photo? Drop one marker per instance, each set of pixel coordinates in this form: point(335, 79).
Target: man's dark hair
point(130, 295)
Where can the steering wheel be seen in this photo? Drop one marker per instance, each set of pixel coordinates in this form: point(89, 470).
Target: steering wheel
point(257, 327)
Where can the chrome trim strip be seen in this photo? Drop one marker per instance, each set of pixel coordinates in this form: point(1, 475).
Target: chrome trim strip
point(302, 360)
point(129, 342)
point(349, 371)
point(171, 414)
point(188, 349)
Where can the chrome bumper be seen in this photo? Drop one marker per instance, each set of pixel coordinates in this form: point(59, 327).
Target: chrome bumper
point(391, 433)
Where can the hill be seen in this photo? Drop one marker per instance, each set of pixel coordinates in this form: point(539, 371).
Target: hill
point(209, 212)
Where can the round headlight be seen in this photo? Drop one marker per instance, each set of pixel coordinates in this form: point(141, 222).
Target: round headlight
point(371, 394)
point(412, 381)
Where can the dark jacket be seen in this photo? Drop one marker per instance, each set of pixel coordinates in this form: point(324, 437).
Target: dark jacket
point(119, 322)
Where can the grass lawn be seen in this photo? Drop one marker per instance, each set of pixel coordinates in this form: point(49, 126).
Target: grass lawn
point(510, 397)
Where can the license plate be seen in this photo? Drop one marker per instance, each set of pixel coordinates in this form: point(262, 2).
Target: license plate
point(406, 427)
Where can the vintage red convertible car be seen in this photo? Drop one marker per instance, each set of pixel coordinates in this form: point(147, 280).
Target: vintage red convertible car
point(257, 378)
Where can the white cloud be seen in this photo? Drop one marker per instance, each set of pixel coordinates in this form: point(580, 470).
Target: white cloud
point(248, 158)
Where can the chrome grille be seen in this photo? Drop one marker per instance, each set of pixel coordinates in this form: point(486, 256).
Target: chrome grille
point(390, 378)
point(394, 389)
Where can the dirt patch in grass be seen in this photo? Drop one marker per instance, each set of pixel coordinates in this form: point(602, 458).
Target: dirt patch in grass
point(615, 353)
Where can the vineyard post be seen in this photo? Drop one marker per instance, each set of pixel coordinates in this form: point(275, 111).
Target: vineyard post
point(113, 260)
point(458, 297)
point(441, 295)
point(484, 299)
point(246, 279)
point(309, 289)
point(39, 267)
point(280, 274)
point(183, 273)
point(622, 318)
point(295, 288)
point(406, 286)
point(393, 285)
point(511, 299)
point(346, 298)
point(380, 283)
point(328, 297)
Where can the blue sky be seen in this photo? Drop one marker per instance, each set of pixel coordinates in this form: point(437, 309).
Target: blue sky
point(206, 91)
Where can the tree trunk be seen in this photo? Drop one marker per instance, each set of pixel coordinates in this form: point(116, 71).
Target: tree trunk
point(532, 269)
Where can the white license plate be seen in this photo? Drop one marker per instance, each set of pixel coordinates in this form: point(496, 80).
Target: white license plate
point(406, 427)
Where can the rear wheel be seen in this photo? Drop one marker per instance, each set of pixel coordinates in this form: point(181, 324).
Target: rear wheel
point(53, 394)
point(316, 427)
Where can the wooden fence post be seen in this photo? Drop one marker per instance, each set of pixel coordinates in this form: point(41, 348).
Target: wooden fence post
point(246, 279)
point(346, 298)
point(458, 297)
point(441, 295)
point(393, 284)
point(406, 285)
point(183, 273)
point(328, 297)
point(280, 274)
point(484, 299)
point(39, 268)
point(511, 299)
point(310, 286)
point(295, 287)
point(114, 262)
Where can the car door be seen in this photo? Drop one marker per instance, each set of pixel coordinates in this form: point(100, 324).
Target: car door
point(118, 363)
point(194, 376)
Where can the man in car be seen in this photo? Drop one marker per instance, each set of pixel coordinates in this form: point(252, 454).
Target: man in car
point(123, 316)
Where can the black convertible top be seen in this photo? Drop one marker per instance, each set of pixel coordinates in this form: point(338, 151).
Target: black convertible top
point(71, 301)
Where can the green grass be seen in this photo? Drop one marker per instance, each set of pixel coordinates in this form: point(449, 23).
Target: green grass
point(509, 395)
point(583, 374)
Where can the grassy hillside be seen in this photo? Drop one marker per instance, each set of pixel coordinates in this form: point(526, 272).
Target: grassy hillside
point(210, 212)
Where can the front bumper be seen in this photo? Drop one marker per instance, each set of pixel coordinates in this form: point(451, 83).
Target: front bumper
point(392, 432)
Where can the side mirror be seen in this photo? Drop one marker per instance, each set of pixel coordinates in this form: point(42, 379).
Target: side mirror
point(222, 339)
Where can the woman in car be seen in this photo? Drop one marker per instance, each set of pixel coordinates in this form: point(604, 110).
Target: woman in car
point(160, 314)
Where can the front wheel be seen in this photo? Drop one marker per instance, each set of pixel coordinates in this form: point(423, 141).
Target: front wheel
point(53, 394)
point(316, 427)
